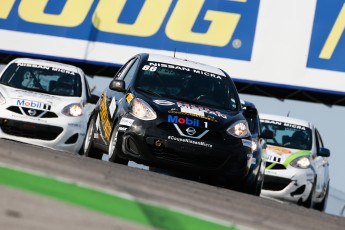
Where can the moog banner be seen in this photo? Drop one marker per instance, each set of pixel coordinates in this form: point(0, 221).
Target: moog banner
point(290, 43)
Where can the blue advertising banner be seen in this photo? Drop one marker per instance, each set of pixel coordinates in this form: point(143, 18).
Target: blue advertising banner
point(327, 47)
point(223, 28)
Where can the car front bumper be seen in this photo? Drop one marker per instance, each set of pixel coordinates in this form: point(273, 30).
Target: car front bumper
point(67, 135)
point(155, 147)
point(291, 184)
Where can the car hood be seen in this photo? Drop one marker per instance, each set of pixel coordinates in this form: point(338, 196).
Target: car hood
point(283, 155)
point(36, 100)
point(192, 114)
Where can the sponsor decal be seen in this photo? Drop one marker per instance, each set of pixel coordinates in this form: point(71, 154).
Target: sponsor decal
point(152, 66)
point(173, 111)
point(123, 129)
point(285, 124)
point(247, 143)
point(190, 133)
point(183, 121)
point(189, 141)
point(47, 68)
point(74, 125)
point(273, 158)
point(279, 150)
point(126, 122)
point(198, 110)
point(327, 45)
point(207, 27)
point(33, 104)
point(112, 107)
point(32, 112)
point(129, 98)
point(104, 117)
point(163, 102)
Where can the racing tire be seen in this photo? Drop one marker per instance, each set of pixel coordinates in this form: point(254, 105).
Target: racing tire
point(322, 205)
point(115, 149)
point(88, 147)
point(253, 185)
point(309, 201)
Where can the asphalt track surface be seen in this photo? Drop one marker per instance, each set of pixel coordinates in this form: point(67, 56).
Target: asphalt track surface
point(23, 208)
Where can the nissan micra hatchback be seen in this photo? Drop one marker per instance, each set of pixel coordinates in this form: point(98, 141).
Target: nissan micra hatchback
point(174, 114)
point(297, 166)
point(45, 103)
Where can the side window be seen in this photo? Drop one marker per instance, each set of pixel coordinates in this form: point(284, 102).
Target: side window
point(130, 74)
point(122, 72)
point(319, 143)
point(88, 91)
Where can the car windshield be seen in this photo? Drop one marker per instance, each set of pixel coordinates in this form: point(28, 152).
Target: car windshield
point(288, 135)
point(187, 84)
point(43, 79)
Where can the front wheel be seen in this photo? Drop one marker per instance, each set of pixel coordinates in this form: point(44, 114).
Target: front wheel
point(309, 201)
point(253, 184)
point(322, 206)
point(115, 149)
point(88, 148)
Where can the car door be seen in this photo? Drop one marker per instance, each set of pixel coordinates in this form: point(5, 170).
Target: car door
point(321, 165)
point(110, 101)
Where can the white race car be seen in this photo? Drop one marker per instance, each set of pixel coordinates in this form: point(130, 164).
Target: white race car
point(45, 103)
point(297, 168)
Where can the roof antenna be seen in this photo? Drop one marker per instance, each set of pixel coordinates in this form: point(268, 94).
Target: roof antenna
point(174, 52)
point(288, 114)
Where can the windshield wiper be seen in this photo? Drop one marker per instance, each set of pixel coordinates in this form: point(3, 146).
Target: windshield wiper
point(148, 91)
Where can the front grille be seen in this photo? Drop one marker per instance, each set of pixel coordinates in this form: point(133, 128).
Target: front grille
point(191, 158)
point(275, 166)
point(30, 130)
point(210, 135)
point(39, 113)
point(275, 183)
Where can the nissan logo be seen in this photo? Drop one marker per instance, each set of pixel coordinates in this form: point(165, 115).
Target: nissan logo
point(191, 131)
point(32, 112)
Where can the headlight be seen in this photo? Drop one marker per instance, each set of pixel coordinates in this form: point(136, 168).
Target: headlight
point(301, 162)
point(254, 145)
point(239, 129)
point(2, 99)
point(74, 110)
point(142, 110)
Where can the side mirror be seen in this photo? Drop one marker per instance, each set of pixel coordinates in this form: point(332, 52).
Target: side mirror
point(267, 134)
point(250, 112)
point(93, 99)
point(324, 152)
point(117, 85)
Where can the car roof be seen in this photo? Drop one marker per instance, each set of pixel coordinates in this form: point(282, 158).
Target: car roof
point(290, 120)
point(58, 65)
point(185, 63)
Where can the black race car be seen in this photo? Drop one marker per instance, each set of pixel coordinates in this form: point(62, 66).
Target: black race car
point(174, 114)
point(259, 136)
